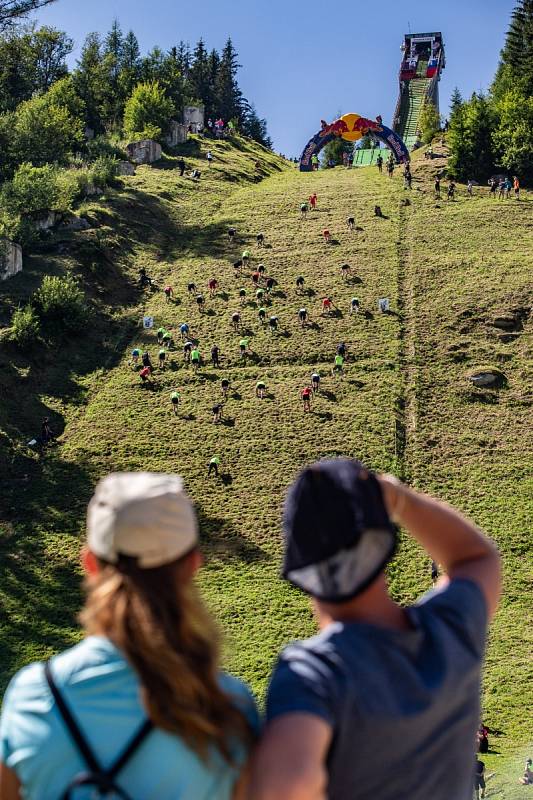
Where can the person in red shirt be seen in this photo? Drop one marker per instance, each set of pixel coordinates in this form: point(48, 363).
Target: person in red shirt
point(305, 396)
point(255, 277)
point(145, 374)
point(169, 293)
point(326, 305)
point(313, 200)
point(327, 236)
point(212, 285)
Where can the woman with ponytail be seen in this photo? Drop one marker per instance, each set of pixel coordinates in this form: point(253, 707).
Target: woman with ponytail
point(143, 690)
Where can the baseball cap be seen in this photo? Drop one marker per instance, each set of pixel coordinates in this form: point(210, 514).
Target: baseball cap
point(146, 515)
point(338, 535)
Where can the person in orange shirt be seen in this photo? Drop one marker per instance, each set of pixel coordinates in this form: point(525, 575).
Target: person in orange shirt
point(516, 187)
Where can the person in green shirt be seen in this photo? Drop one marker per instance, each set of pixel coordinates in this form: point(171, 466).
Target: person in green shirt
point(213, 466)
point(195, 358)
point(162, 356)
point(175, 400)
point(304, 208)
point(167, 339)
point(260, 389)
point(160, 333)
point(314, 161)
point(338, 366)
point(243, 347)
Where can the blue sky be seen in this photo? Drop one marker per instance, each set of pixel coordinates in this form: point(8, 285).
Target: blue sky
point(305, 60)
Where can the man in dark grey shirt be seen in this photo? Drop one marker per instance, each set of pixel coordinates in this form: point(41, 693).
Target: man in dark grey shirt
point(383, 704)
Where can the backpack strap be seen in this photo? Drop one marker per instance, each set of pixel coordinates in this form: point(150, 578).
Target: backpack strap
point(75, 732)
point(81, 743)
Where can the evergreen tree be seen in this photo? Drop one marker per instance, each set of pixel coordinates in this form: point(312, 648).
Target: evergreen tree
point(113, 49)
point(516, 67)
point(183, 58)
point(456, 101)
point(11, 11)
point(256, 128)
point(470, 139)
point(200, 86)
point(513, 138)
point(230, 103)
point(90, 81)
point(130, 65)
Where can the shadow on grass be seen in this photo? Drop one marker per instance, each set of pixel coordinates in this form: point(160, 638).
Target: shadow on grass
point(221, 539)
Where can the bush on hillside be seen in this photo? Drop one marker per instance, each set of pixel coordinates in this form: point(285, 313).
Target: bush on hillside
point(429, 122)
point(148, 112)
point(44, 132)
point(103, 171)
point(60, 305)
point(25, 327)
point(32, 190)
point(104, 146)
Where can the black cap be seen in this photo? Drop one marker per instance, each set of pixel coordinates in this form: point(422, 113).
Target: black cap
point(338, 535)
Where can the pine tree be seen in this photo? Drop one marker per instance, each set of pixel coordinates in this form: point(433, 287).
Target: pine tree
point(113, 49)
point(516, 67)
point(230, 103)
point(199, 76)
point(456, 101)
point(130, 65)
point(470, 138)
point(183, 58)
point(90, 81)
point(11, 11)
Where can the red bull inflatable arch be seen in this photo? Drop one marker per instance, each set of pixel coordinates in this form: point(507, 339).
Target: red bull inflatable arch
point(353, 127)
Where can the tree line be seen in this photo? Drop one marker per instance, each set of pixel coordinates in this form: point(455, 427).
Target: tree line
point(45, 108)
point(493, 132)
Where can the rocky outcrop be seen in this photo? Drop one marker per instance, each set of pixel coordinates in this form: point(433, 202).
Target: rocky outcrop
point(487, 377)
point(144, 152)
point(125, 168)
point(10, 259)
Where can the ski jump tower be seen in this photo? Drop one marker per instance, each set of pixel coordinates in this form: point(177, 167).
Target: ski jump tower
point(422, 63)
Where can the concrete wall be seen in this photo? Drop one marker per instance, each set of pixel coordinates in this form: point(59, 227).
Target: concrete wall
point(177, 134)
point(194, 115)
point(10, 259)
point(144, 152)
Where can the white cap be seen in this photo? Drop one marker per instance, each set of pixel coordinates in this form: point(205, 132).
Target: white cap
point(142, 514)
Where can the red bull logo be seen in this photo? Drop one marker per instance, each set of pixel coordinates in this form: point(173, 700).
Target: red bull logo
point(350, 127)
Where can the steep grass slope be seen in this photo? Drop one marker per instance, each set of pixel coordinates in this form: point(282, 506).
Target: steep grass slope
point(405, 403)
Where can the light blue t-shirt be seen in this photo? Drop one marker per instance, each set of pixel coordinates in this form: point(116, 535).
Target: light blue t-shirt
point(102, 691)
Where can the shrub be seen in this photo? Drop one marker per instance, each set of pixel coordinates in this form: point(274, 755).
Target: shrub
point(429, 122)
point(25, 327)
point(104, 171)
point(69, 186)
point(148, 112)
point(44, 132)
point(60, 304)
point(32, 190)
point(103, 146)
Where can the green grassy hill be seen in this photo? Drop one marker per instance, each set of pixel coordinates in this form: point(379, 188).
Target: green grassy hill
point(405, 403)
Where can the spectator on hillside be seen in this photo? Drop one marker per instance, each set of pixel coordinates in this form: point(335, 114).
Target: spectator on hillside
point(379, 163)
point(493, 185)
point(516, 186)
point(437, 188)
point(182, 167)
point(482, 739)
point(146, 672)
point(209, 157)
point(479, 780)
point(527, 777)
point(381, 683)
point(501, 189)
point(470, 188)
point(451, 191)
point(351, 223)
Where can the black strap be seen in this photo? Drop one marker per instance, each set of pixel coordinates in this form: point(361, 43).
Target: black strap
point(82, 744)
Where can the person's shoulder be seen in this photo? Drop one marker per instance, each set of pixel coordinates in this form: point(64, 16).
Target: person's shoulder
point(241, 695)
point(460, 605)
